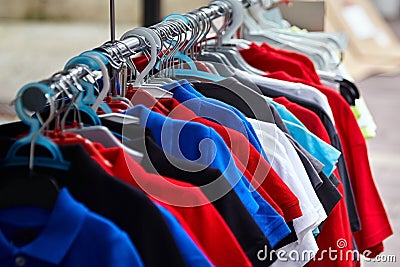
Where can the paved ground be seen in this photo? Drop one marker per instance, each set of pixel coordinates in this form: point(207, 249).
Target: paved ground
point(383, 95)
point(33, 51)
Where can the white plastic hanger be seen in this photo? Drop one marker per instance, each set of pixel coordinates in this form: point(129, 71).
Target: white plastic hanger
point(103, 135)
point(149, 36)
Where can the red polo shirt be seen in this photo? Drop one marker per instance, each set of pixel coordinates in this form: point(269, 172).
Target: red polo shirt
point(248, 160)
point(374, 221)
point(304, 60)
point(192, 209)
point(337, 226)
point(271, 61)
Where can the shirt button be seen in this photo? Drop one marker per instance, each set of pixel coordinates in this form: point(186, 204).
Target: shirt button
point(20, 261)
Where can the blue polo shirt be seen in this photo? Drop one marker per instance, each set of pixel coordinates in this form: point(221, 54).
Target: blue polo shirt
point(215, 110)
point(70, 235)
point(198, 143)
point(191, 253)
point(325, 153)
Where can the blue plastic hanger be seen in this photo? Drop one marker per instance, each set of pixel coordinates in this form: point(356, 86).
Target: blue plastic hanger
point(80, 104)
point(34, 97)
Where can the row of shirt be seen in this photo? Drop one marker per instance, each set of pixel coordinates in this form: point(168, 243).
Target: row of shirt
point(232, 174)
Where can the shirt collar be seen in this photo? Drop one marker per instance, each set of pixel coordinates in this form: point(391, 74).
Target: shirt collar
point(61, 229)
point(141, 112)
point(175, 84)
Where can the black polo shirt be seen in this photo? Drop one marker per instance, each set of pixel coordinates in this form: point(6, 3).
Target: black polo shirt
point(130, 209)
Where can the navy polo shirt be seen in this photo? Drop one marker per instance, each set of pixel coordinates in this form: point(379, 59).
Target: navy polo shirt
point(215, 110)
point(69, 235)
point(201, 144)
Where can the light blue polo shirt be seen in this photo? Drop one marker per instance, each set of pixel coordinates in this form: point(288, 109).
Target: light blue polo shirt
point(327, 154)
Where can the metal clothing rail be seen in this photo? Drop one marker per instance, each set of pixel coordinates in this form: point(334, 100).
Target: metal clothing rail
point(131, 45)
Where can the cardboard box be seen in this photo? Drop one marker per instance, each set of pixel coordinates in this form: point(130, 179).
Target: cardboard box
point(305, 14)
point(373, 47)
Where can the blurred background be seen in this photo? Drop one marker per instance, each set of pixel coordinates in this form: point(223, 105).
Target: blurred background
point(39, 36)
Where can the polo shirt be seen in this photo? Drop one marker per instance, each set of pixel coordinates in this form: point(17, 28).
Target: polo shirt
point(308, 118)
point(291, 170)
point(256, 167)
point(192, 141)
point(215, 110)
point(314, 124)
point(316, 164)
point(231, 91)
point(373, 218)
point(328, 155)
point(253, 166)
point(326, 191)
point(336, 227)
point(299, 57)
point(307, 248)
point(311, 165)
point(191, 253)
point(229, 206)
point(129, 208)
point(188, 204)
point(276, 91)
point(325, 153)
point(247, 159)
point(271, 61)
point(68, 235)
point(297, 90)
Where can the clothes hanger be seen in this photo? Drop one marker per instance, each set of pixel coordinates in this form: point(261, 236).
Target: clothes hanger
point(212, 55)
point(33, 97)
point(149, 36)
point(94, 133)
point(234, 16)
point(79, 103)
point(155, 79)
point(104, 136)
point(102, 61)
point(192, 71)
point(201, 25)
point(325, 52)
point(95, 60)
point(217, 60)
point(27, 188)
point(255, 32)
